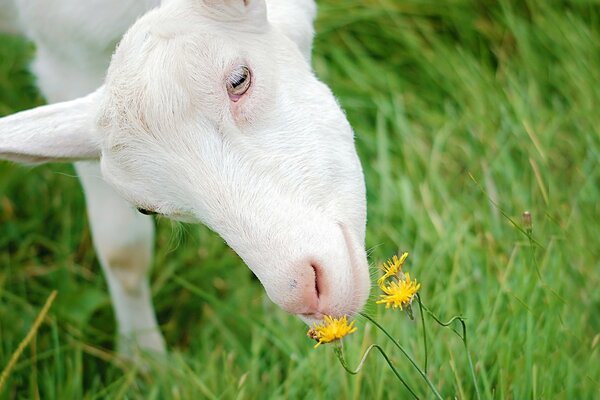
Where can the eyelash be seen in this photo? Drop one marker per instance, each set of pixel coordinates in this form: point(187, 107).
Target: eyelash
point(238, 82)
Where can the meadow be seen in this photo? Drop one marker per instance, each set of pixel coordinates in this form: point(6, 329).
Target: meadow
point(467, 114)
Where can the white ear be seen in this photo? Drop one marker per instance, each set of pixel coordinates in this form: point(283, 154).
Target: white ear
point(295, 19)
point(251, 12)
point(56, 132)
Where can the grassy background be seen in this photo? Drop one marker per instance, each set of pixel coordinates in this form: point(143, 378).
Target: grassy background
point(467, 113)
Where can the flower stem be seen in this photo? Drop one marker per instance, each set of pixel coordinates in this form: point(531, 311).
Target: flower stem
point(339, 351)
point(463, 337)
point(424, 330)
point(399, 346)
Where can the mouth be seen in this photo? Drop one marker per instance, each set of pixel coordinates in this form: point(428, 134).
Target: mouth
point(311, 319)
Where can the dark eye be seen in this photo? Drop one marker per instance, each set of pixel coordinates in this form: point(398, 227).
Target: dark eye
point(238, 82)
point(146, 212)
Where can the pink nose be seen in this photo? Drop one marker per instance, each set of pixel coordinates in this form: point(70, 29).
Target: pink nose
point(310, 295)
point(307, 291)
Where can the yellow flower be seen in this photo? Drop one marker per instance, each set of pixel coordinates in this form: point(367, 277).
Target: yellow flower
point(330, 330)
point(399, 294)
point(393, 267)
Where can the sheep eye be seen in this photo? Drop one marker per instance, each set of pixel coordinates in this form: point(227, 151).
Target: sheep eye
point(146, 212)
point(238, 82)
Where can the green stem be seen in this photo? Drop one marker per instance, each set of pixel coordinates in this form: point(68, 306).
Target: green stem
point(399, 346)
point(471, 369)
point(424, 330)
point(532, 250)
point(463, 337)
point(339, 351)
point(448, 323)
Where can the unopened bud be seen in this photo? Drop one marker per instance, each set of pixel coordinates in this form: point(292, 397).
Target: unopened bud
point(527, 224)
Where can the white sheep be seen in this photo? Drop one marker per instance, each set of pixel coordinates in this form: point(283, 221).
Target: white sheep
point(209, 112)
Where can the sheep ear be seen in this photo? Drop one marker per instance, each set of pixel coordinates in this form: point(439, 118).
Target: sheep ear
point(56, 132)
point(253, 12)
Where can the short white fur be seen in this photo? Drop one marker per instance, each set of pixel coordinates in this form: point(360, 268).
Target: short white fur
point(275, 173)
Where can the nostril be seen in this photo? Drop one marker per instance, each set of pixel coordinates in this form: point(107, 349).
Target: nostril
point(316, 272)
point(321, 281)
point(308, 290)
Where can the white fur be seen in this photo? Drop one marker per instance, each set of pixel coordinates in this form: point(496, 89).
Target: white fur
point(52, 133)
point(275, 174)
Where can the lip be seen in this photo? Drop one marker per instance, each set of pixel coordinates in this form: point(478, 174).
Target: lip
point(311, 319)
point(316, 316)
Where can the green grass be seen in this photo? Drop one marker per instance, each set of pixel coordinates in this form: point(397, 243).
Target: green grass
point(467, 113)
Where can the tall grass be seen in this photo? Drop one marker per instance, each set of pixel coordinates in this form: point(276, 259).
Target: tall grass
point(467, 113)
